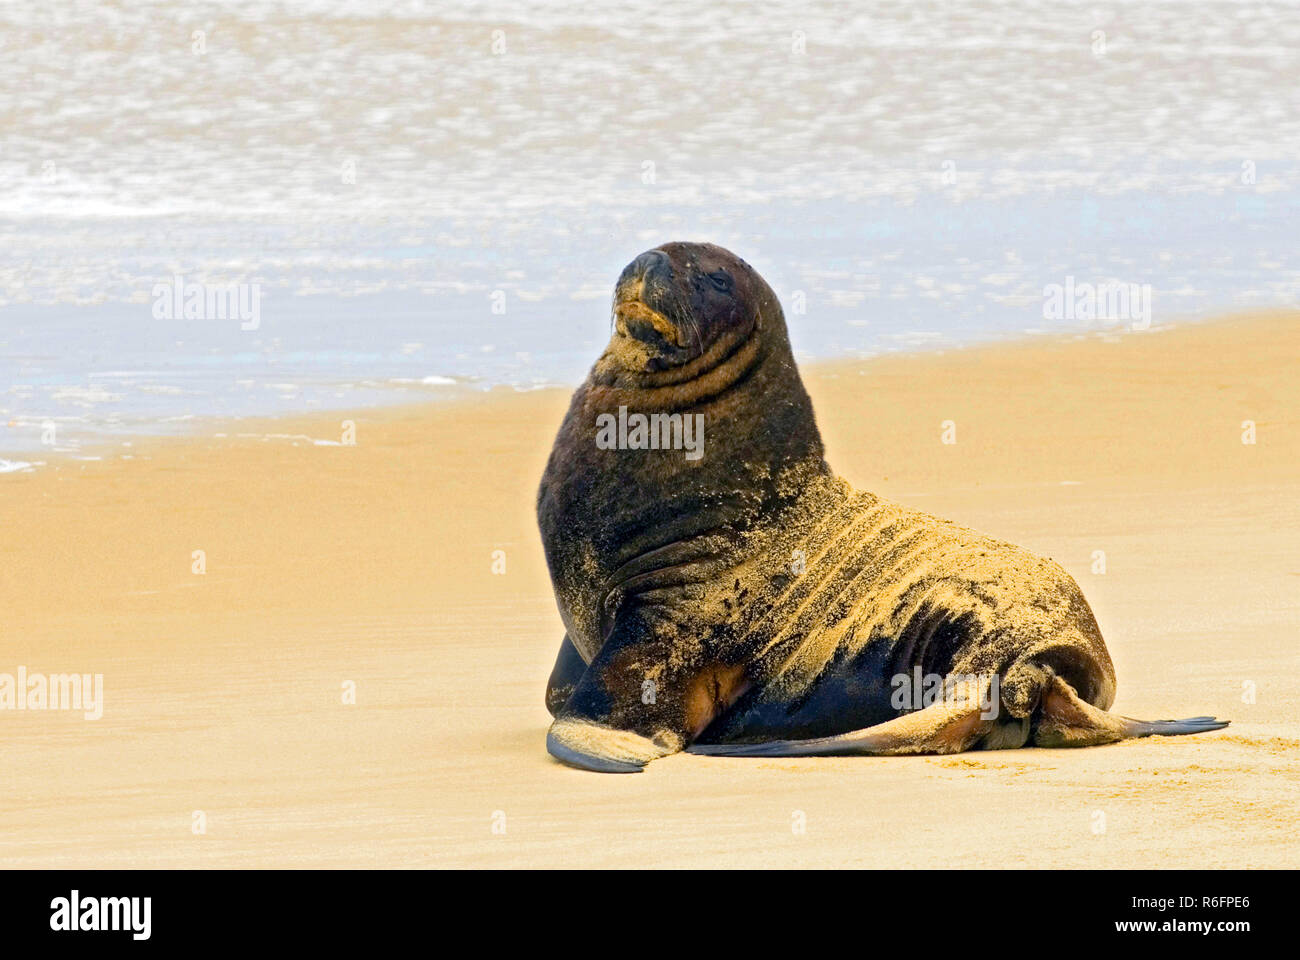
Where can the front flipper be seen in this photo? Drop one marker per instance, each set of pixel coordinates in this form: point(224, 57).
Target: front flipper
point(642, 697)
point(591, 746)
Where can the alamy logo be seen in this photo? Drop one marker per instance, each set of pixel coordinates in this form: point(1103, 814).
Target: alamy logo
point(73, 913)
point(179, 300)
point(57, 691)
point(1100, 301)
point(916, 691)
point(656, 431)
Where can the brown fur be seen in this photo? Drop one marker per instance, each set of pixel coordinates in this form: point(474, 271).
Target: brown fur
point(687, 621)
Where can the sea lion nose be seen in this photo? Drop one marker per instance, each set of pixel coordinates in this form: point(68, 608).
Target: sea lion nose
point(653, 265)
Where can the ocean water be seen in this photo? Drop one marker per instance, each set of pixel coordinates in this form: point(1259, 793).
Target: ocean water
point(433, 196)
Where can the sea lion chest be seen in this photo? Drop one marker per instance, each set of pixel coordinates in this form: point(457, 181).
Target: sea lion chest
point(646, 528)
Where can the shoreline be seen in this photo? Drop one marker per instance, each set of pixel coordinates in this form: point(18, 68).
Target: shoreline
point(461, 391)
point(370, 568)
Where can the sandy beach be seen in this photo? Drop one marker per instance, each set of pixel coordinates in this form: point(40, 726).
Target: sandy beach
point(370, 567)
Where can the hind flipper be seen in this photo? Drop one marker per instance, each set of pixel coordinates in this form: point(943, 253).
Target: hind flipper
point(1174, 728)
point(943, 727)
point(1064, 720)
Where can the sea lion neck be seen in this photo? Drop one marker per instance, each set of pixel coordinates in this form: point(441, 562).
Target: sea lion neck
point(721, 364)
point(750, 401)
point(678, 389)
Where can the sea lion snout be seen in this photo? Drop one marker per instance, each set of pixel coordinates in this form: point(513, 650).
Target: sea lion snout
point(642, 299)
point(647, 280)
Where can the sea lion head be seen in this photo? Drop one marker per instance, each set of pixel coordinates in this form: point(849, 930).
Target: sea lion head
point(686, 304)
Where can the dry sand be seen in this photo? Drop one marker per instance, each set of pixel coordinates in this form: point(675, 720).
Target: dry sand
point(373, 564)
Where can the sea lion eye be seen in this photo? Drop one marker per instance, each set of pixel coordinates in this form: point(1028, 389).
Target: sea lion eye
point(721, 280)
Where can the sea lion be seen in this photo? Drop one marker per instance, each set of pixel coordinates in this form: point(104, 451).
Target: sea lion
point(724, 592)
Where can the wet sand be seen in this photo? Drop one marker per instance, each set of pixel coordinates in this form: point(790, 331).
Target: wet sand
point(372, 565)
